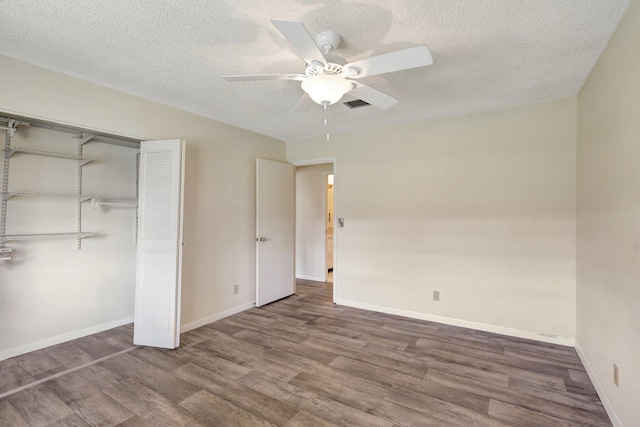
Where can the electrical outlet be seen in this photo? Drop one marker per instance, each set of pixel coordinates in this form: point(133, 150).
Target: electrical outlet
point(235, 289)
point(615, 374)
point(436, 295)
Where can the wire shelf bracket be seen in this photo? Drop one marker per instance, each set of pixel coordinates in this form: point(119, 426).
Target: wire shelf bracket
point(5, 253)
point(96, 203)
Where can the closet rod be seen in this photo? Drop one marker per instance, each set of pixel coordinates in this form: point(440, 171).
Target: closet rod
point(96, 205)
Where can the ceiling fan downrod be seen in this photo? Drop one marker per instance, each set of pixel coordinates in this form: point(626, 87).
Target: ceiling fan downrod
point(328, 40)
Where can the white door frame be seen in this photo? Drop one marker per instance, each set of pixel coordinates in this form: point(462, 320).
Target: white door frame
point(334, 162)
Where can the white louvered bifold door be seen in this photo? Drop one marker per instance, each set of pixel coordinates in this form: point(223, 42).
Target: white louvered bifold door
point(159, 252)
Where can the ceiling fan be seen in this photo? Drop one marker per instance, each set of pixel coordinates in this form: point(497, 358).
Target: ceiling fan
point(327, 77)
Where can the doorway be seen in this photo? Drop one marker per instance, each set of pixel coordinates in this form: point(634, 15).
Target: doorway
point(315, 252)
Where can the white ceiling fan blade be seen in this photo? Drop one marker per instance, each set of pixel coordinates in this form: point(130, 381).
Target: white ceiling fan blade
point(373, 96)
point(250, 77)
point(417, 56)
point(305, 103)
point(300, 39)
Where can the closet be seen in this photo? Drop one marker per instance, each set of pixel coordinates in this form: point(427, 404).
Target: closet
point(78, 255)
point(37, 138)
point(67, 233)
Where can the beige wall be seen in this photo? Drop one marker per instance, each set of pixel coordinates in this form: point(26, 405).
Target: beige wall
point(310, 232)
point(608, 236)
point(480, 208)
point(219, 201)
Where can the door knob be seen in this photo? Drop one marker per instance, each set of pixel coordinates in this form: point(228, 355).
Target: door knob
point(261, 239)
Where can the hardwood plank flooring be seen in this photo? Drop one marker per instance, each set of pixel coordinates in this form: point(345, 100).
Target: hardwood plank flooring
point(299, 362)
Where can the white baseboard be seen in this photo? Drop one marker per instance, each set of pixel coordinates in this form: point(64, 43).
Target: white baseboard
point(519, 333)
point(217, 316)
point(314, 278)
point(613, 415)
point(17, 351)
point(48, 342)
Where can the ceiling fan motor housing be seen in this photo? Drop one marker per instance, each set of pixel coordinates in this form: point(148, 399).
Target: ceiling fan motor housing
point(315, 69)
point(328, 40)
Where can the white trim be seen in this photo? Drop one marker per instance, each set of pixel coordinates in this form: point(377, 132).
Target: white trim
point(325, 204)
point(314, 278)
point(217, 316)
point(312, 162)
point(58, 339)
point(336, 270)
point(183, 157)
point(519, 333)
point(613, 415)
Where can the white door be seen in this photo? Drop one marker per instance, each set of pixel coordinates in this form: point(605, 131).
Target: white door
point(159, 252)
point(275, 228)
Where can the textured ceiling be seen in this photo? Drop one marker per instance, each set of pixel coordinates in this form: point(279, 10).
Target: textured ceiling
point(488, 54)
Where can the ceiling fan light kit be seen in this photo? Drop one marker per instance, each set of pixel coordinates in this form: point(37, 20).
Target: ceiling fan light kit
point(326, 88)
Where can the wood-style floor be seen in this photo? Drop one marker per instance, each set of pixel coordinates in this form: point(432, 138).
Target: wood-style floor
point(303, 361)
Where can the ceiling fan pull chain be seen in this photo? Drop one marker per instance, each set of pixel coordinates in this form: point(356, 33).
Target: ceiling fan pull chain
point(326, 115)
